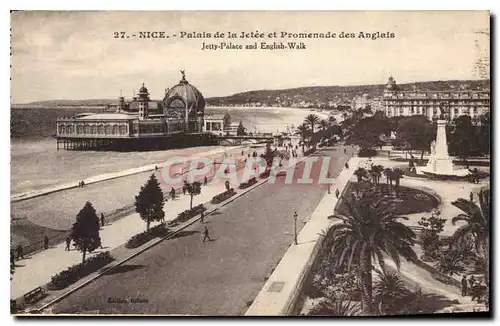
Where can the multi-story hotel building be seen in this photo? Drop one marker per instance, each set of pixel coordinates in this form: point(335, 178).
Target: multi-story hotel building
point(432, 104)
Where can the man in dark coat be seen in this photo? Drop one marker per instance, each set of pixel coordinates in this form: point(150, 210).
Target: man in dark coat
point(102, 220)
point(206, 235)
point(46, 242)
point(464, 286)
point(19, 252)
point(68, 244)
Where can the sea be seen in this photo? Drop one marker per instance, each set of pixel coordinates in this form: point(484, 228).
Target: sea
point(36, 163)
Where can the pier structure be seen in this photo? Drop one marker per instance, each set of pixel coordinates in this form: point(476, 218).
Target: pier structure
point(175, 122)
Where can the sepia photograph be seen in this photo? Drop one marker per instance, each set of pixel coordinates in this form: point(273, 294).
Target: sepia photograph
point(250, 163)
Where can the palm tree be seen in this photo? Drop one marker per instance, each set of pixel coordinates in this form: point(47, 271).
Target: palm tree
point(368, 230)
point(388, 288)
point(332, 120)
point(388, 174)
point(323, 124)
point(376, 171)
point(397, 174)
point(360, 173)
point(193, 189)
point(477, 224)
point(338, 307)
point(312, 120)
point(303, 131)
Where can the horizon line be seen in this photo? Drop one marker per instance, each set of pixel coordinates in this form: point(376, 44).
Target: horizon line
point(276, 89)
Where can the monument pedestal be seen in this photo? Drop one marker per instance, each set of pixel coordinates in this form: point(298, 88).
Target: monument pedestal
point(440, 162)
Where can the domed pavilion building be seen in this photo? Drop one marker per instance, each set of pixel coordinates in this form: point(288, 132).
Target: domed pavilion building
point(177, 120)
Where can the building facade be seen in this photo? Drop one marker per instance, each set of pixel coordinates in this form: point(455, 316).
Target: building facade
point(181, 112)
point(434, 104)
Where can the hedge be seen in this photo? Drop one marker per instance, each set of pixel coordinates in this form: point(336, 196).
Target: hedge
point(189, 213)
point(249, 183)
point(367, 152)
point(223, 196)
point(143, 237)
point(79, 271)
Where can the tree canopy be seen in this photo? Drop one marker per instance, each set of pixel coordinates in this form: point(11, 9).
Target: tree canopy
point(85, 231)
point(149, 203)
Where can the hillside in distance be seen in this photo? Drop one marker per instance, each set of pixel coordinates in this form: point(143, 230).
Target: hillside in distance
point(313, 96)
point(322, 95)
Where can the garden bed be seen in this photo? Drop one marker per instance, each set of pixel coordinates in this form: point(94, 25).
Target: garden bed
point(407, 201)
point(217, 199)
point(188, 214)
point(143, 237)
point(247, 184)
point(79, 271)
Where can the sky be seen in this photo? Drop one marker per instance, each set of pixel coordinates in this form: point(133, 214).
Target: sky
point(74, 55)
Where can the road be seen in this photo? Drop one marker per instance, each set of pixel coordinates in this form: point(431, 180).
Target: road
point(220, 277)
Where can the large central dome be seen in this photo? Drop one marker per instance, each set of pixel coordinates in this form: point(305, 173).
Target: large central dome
point(182, 96)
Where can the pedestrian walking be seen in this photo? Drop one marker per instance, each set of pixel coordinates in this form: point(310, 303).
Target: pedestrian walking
point(202, 217)
point(205, 181)
point(172, 193)
point(83, 184)
point(471, 196)
point(464, 286)
point(45, 242)
point(102, 220)
point(206, 235)
point(337, 193)
point(345, 150)
point(184, 188)
point(19, 252)
point(68, 244)
point(346, 165)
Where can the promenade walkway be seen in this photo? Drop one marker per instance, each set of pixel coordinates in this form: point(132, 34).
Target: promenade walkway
point(37, 269)
point(282, 288)
point(107, 176)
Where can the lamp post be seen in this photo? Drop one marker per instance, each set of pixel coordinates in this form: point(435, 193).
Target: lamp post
point(295, 227)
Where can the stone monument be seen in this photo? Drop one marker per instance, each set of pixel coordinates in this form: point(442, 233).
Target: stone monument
point(439, 161)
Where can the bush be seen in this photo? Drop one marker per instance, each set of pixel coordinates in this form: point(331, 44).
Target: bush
point(223, 196)
point(367, 152)
point(249, 183)
point(189, 213)
point(143, 237)
point(79, 271)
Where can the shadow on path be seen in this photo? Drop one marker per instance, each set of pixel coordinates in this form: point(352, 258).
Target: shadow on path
point(183, 234)
point(123, 269)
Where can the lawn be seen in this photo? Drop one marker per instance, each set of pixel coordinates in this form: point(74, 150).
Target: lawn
point(407, 201)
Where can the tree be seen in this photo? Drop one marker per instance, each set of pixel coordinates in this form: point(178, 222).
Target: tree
point(417, 132)
point(461, 138)
point(388, 175)
point(388, 289)
point(366, 132)
point(361, 173)
point(376, 172)
point(312, 120)
point(149, 203)
point(241, 130)
point(304, 132)
point(193, 189)
point(397, 174)
point(477, 225)
point(85, 231)
point(431, 228)
point(368, 230)
point(268, 156)
point(323, 124)
point(12, 263)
